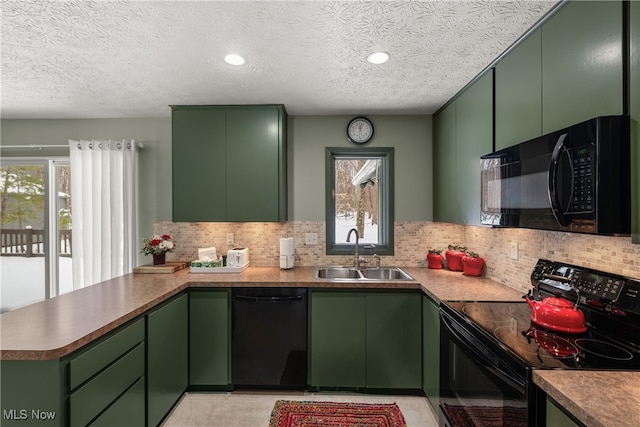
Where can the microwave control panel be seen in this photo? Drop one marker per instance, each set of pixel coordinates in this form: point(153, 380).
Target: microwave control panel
point(583, 165)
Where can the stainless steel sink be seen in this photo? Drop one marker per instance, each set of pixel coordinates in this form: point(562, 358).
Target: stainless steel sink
point(341, 273)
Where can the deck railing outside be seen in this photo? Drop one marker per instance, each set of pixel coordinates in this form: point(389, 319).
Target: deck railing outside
point(29, 242)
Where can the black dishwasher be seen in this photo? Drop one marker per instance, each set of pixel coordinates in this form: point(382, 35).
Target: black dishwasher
point(269, 338)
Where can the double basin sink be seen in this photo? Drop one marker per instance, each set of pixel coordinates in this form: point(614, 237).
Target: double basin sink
point(378, 274)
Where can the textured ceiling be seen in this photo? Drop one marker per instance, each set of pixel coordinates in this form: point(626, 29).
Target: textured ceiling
point(97, 59)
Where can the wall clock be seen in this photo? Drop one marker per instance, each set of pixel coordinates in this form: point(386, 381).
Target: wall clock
point(360, 130)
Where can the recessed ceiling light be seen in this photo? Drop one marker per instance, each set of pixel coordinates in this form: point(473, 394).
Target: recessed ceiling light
point(234, 59)
point(378, 57)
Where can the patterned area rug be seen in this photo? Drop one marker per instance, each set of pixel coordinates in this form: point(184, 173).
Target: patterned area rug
point(486, 416)
point(287, 413)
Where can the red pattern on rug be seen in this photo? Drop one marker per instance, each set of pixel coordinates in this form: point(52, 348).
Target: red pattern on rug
point(288, 413)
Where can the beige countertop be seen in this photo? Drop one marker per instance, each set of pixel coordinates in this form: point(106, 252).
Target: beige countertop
point(596, 398)
point(57, 327)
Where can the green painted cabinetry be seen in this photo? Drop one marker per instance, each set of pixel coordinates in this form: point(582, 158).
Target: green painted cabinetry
point(463, 133)
point(209, 338)
point(445, 202)
point(474, 138)
point(582, 71)
point(431, 351)
point(394, 353)
point(557, 417)
point(518, 93)
point(337, 339)
point(361, 339)
point(634, 110)
point(229, 163)
point(167, 357)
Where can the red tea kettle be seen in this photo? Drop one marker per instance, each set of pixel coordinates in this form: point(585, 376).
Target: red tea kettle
point(557, 313)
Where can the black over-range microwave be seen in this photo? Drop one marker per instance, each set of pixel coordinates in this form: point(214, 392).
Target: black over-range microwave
point(576, 179)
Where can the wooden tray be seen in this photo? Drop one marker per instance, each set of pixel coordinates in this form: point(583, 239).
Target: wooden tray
point(169, 267)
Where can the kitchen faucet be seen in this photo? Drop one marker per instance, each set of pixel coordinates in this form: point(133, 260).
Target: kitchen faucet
point(355, 257)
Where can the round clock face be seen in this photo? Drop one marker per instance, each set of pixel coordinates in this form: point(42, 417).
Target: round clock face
point(360, 130)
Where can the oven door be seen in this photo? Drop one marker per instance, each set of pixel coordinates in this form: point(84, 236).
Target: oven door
point(481, 384)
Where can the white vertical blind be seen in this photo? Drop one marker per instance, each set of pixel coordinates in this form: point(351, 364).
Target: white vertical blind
point(104, 184)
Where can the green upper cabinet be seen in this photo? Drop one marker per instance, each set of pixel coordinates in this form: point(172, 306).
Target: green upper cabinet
point(229, 163)
point(518, 93)
point(445, 205)
point(582, 71)
point(634, 110)
point(474, 138)
point(199, 165)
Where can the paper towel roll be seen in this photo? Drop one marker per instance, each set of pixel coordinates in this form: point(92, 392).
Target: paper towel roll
point(286, 252)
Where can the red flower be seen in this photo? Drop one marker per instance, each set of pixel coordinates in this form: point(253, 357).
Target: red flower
point(156, 242)
point(166, 237)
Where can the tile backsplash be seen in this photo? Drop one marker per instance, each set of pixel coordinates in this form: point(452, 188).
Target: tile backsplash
point(412, 241)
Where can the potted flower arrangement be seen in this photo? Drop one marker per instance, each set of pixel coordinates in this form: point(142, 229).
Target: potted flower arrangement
point(435, 258)
point(158, 246)
point(472, 264)
point(454, 256)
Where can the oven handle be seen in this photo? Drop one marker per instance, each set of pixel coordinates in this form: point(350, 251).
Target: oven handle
point(482, 352)
point(556, 209)
point(269, 299)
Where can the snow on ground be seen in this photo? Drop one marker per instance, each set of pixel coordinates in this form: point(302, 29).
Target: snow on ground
point(22, 280)
point(344, 225)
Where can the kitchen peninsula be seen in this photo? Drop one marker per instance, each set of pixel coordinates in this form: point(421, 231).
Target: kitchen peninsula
point(62, 327)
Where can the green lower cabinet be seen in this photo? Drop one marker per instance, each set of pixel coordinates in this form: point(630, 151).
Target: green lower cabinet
point(337, 339)
point(431, 351)
point(209, 338)
point(127, 411)
point(557, 417)
point(394, 341)
point(32, 393)
point(167, 357)
point(360, 339)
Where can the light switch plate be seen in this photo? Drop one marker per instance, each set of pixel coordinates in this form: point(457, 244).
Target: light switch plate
point(311, 239)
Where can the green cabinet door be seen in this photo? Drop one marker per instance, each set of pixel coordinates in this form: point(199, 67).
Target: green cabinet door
point(337, 339)
point(474, 138)
point(198, 152)
point(518, 93)
point(557, 417)
point(254, 156)
point(394, 353)
point(445, 202)
point(582, 71)
point(33, 393)
point(634, 110)
point(167, 357)
point(209, 338)
point(127, 411)
point(431, 351)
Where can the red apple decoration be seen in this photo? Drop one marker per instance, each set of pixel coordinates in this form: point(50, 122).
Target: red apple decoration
point(472, 264)
point(454, 257)
point(435, 258)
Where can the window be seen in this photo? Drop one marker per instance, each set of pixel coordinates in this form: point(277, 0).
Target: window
point(359, 194)
point(35, 197)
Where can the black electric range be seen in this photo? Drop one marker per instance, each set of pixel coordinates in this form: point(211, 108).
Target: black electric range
point(489, 349)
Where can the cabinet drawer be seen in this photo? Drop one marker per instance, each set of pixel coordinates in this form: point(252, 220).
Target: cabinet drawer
point(94, 396)
point(89, 363)
point(127, 411)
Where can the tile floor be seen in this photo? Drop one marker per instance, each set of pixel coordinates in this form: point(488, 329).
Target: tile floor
point(253, 409)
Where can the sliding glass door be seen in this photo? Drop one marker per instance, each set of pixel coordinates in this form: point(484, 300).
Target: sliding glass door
point(35, 234)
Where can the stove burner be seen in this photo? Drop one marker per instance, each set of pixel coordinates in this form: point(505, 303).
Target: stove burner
point(603, 349)
point(555, 345)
